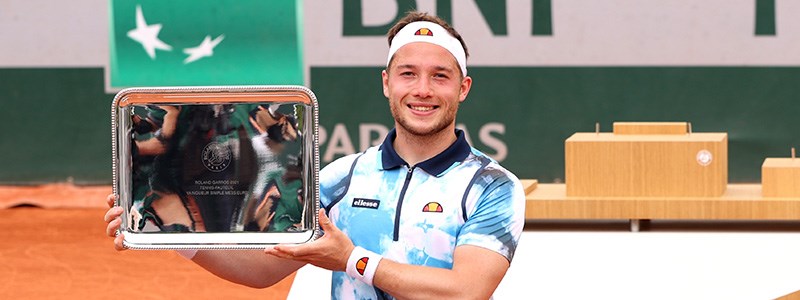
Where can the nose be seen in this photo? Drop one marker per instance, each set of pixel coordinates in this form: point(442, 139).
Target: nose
point(423, 88)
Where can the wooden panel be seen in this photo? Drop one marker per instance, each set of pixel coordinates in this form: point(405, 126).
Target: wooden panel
point(739, 202)
point(780, 177)
point(605, 164)
point(529, 185)
point(651, 127)
point(792, 296)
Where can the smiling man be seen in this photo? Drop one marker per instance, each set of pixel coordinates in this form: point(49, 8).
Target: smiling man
point(421, 216)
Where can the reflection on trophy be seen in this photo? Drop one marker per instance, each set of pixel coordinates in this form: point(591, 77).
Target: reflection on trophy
point(276, 132)
point(215, 168)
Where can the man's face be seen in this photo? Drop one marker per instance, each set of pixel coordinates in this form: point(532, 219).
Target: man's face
point(424, 88)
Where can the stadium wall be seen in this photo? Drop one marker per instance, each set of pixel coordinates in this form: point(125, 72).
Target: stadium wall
point(542, 69)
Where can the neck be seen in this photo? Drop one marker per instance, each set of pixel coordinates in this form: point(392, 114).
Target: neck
point(418, 148)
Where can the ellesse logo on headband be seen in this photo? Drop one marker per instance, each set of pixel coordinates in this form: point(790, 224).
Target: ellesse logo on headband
point(424, 31)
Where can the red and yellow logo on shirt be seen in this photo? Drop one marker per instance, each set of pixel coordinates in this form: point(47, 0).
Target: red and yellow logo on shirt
point(432, 207)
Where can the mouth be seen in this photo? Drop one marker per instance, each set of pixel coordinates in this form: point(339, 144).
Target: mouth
point(422, 108)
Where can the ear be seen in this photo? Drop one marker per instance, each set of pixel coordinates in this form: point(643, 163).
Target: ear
point(385, 80)
point(466, 85)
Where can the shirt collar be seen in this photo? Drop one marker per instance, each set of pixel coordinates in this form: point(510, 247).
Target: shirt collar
point(436, 165)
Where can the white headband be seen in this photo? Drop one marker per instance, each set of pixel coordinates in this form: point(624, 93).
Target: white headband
point(429, 32)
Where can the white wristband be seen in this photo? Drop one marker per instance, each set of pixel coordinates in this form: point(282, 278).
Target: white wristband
point(362, 264)
point(187, 253)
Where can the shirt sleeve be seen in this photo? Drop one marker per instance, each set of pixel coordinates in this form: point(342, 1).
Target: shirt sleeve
point(334, 179)
point(497, 221)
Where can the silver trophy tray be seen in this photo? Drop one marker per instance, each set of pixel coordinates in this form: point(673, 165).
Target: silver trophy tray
point(219, 167)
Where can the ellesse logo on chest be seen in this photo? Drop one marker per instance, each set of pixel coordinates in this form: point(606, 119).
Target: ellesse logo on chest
point(366, 203)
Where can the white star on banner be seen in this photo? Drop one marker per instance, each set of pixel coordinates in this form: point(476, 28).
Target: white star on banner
point(147, 35)
point(205, 49)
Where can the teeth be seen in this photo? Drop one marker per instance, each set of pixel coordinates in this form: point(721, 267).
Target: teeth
point(421, 108)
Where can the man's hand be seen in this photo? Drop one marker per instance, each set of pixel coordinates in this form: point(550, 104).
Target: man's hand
point(330, 251)
point(113, 221)
point(247, 267)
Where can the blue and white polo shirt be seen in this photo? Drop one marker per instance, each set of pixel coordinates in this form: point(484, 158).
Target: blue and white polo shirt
point(420, 214)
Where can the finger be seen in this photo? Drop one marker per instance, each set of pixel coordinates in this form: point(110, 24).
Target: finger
point(271, 251)
point(298, 252)
point(118, 244)
point(325, 222)
point(277, 251)
point(111, 200)
point(112, 213)
point(111, 229)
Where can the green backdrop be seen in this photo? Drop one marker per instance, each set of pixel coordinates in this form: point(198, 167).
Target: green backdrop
point(56, 122)
point(542, 106)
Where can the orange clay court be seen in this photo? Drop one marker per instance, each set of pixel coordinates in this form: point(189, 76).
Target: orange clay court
point(53, 246)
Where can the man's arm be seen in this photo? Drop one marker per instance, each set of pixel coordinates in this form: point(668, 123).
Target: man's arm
point(247, 267)
point(252, 268)
point(476, 271)
point(476, 274)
